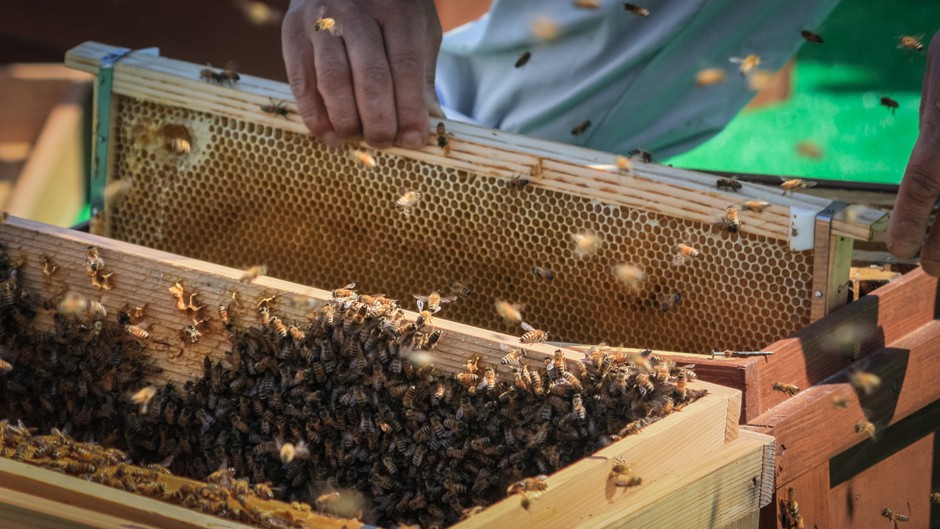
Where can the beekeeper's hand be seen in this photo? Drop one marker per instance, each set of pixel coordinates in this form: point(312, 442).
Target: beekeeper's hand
point(920, 187)
point(371, 76)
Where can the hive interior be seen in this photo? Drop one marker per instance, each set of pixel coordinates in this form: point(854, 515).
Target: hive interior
point(247, 194)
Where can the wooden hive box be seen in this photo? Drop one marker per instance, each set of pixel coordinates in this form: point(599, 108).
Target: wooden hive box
point(698, 468)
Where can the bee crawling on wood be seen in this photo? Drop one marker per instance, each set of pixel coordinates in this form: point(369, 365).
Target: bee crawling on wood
point(48, 265)
point(220, 77)
point(864, 382)
point(528, 485)
point(94, 267)
point(729, 184)
point(789, 389)
point(757, 206)
point(278, 108)
point(532, 335)
point(896, 516)
point(622, 474)
point(792, 513)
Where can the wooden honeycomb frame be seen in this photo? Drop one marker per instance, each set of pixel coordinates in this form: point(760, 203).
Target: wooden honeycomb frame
point(257, 188)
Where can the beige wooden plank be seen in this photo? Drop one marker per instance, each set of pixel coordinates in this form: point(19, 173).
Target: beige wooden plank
point(750, 520)
point(173, 82)
point(25, 511)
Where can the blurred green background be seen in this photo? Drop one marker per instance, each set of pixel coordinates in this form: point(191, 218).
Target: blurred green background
point(835, 102)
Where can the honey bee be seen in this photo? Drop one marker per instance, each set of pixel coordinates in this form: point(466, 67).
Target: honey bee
point(93, 262)
point(789, 186)
point(543, 273)
point(431, 341)
point(668, 301)
point(208, 75)
point(757, 206)
point(839, 401)
point(747, 64)
point(527, 485)
point(459, 289)
point(639, 11)
point(630, 275)
point(324, 24)
point(253, 273)
point(345, 292)
point(136, 330)
point(523, 59)
point(48, 265)
point(934, 498)
point(519, 182)
point(532, 335)
point(684, 253)
point(290, 451)
point(581, 128)
point(895, 516)
point(364, 157)
point(443, 137)
point(586, 243)
point(908, 42)
point(408, 201)
point(811, 37)
point(587, 4)
point(263, 491)
point(75, 306)
point(865, 382)
point(296, 334)
point(641, 154)
point(325, 501)
point(730, 222)
point(510, 312)
point(278, 108)
point(729, 184)
point(513, 357)
point(783, 387)
point(279, 326)
point(622, 474)
point(890, 103)
point(191, 333)
point(178, 145)
point(434, 301)
point(227, 76)
point(143, 397)
point(866, 427)
point(710, 76)
point(793, 510)
point(622, 163)
point(5, 367)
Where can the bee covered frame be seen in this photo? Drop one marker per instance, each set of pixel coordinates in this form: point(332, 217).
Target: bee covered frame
point(255, 188)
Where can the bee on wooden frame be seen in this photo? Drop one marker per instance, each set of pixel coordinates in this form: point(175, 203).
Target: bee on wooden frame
point(729, 184)
point(730, 222)
point(278, 108)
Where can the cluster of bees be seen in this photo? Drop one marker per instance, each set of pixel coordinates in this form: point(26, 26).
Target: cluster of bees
point(346, 412)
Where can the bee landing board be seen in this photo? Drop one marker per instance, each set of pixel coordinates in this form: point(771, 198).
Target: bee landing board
point(253, 187)
point(713, 470)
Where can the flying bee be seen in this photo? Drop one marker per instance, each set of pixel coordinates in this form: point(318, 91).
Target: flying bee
point(458, 289)
point(277, 108)
point(789, 389)
point(630, 275)
point(433, 301)
point(143, 397)
point(5, 367)
point(865, 382)
point(407, 201)
point(324, 24)
point(581, 128)
point(747, 64)
point(75, 306)
point(757, 206)
point(642, 155)
point(794, 184)
point(729, 184)
point(866, 427)
point(730, 222)
point(443, 136)
point(811, 37)
point(622, 163)
point(253, 273)
point(290, 451)
point(513, 357)
point(510, 312)
point(532, 335)
point(364, 157)
point(889, 103)
point(710, 76)
point(895, 516)
point(908, 42)
point(587, 4)
point(178, 145)
point(586, 243)
point(684, 253)
point(839, 401)
point(639, 11)
point(543, 273)
point(622, 474)
point(524, 59)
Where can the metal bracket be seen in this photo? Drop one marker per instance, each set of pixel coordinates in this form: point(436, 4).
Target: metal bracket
point(102, 129)
point(831, 262)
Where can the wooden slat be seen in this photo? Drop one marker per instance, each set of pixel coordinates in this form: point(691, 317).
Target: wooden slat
point(810, 429)
point(582, 494)
point(25, 511)
point(812, 496)
point(563, 167)
point(57, 488)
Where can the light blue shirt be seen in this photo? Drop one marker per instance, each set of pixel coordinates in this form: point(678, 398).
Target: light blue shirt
point(632, 77)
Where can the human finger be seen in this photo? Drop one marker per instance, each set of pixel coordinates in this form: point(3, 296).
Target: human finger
point(405, 49)
point(299, 63)
point(372, 84)
point(335, 84)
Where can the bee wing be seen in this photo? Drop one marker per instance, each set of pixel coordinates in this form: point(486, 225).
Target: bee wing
point(527, 327)
point(506, 347)
point(420, 303)
point(448, 299)
point(350, 286)
point(679, 259)
point(736, 60)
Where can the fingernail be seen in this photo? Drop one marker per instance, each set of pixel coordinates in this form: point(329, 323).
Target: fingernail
point(412, 140)
point(904, 249)
point(330, 138)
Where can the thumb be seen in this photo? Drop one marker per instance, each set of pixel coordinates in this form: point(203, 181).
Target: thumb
point(430, 66)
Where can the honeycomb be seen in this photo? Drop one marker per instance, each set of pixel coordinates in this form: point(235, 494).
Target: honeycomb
point(247, 194)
